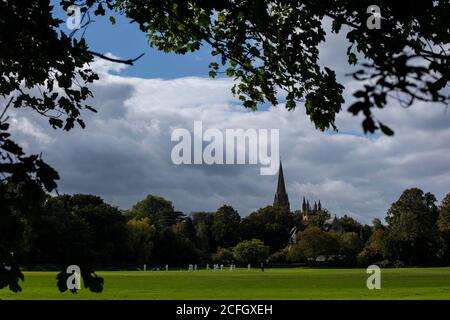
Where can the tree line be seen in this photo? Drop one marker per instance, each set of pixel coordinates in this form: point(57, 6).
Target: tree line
point(83, 229)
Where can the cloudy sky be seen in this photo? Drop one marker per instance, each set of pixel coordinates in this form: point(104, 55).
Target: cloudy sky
point(124, 153)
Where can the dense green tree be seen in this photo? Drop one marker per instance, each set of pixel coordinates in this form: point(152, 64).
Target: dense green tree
point(251, 251)
point(107, 226)
point(279, 256)
point(159, 210)
point(443, 221)
point(411, 235)
point(204, 239)
point(18, 203)
point(350, 225)
point(226, 226)
point(173, 247)
point(23, 182)
point(271, 224)
point(377, 224)
point(185, 228)
point(298, 220)
point(318, 219)
point(312, 243)
point(172, 243)
point(373, 250)
point(62, 237)
point(350, 244)
point(223, 255)
point(189, 228)
point(443, 224)
point(81, 230)
point(140, 239)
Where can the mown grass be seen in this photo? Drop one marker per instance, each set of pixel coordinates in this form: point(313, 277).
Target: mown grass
point(296, 283)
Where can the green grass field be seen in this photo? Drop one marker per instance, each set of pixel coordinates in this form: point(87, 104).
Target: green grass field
point(298, 283)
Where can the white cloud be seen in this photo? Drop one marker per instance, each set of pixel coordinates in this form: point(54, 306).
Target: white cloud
point(124, 153)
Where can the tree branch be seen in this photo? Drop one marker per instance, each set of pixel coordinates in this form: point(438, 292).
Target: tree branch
point(129, 61)
point(6, 108)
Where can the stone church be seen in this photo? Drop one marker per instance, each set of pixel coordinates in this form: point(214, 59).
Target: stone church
point(308, 212)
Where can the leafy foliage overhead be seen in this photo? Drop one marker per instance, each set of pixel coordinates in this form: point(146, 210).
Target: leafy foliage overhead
point(272, 46)
point(46, 70)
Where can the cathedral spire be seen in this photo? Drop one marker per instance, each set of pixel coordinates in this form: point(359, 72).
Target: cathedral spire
point(281, 198)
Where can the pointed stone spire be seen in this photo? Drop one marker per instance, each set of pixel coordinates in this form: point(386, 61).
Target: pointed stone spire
point(308, 208)
point(315, 206)
point(319, 206)
point(281, 198)
point(304, 205)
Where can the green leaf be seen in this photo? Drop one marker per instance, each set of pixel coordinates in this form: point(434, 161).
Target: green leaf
point(360, 94)
point(100, 10)
point(336, 25)
point(352, 59)
point(250, 104)
point(357, 107)
point(385, 129)
point(91, 109)
point(254, 51)
point(55, 123)
point(369, 125)
point(81, 123)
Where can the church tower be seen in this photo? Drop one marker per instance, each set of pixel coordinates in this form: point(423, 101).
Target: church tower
point(281, 198)
point(304, 208)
